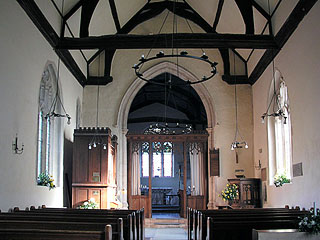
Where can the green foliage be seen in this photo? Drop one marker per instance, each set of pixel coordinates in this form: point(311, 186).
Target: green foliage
point(44, 179)
point(230, 192)
point(280, 179)
point(90, 204)
point(310, 223)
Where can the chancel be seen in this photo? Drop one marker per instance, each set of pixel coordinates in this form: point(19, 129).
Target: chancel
point(151, 110)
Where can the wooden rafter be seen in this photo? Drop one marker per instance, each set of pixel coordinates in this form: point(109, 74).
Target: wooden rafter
point(218, 14)
point(246, 11)
point(86, 15)
point(287, 29)
point(182, 40)
point(115, 15)
point(73, 10)
point(261, 10)
point(39, 20)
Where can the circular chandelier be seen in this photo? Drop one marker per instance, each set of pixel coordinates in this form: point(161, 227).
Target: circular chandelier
point(165, 129)
point(175, 55)
point(183, 54)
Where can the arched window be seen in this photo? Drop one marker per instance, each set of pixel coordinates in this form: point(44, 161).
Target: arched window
point(162, 160)
point(279, 130)
point(49, 129)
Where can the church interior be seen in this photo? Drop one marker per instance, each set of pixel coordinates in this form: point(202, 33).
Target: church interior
point(159, 104)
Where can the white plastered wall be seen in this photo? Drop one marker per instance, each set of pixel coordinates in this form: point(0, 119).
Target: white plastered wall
point(299, 64)
point(24, 54)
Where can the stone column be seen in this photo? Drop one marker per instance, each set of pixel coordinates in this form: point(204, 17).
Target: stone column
point(122, 168)
point(211, 180)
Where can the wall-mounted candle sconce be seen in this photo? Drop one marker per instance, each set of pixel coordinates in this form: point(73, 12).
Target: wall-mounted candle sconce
point(15, 148)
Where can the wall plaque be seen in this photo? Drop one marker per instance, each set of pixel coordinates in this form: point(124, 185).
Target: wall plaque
point(297, 170)
point(96, 176)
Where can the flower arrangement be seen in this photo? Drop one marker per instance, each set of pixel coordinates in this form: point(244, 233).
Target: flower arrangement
point(280, 179)
point(230, 192)
point(310, 223)
point(44, 179)
point(90, 204)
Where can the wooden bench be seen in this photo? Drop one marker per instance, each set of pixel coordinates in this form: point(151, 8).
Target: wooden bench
point(45, 234)
point(198, 223)
point(137, 222)
point(87, 222)
point(238, 230)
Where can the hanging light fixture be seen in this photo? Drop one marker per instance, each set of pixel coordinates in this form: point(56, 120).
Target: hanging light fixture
point(175, 55)
point(97, 139)
point(276, 110)
point(237, 143)
point(166, 128)
point(53, 110)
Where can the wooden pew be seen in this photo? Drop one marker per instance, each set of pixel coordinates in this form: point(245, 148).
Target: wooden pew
point(138, 216)
point(45, 234)
point(88, 223)
point(197, 222)
point(238, 230)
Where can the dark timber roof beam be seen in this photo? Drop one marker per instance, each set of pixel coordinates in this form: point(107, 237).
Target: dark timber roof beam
point(299, 12)
point(39, 20)
point(182, 40)
point(115, 15)
point(218, 14)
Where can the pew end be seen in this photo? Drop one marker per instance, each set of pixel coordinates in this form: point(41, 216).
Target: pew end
point(108, 232)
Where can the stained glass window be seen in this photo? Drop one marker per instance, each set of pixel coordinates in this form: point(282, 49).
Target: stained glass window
point(162, 159)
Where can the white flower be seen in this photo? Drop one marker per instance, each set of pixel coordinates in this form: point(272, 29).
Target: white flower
point(85, 203)
point(92, 200)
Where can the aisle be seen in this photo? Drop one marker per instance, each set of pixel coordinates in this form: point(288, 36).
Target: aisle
point(166, 233)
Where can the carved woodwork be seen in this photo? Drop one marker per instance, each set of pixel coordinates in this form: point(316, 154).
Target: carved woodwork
point(93, 170)
point(196, 140)
point(249, 192)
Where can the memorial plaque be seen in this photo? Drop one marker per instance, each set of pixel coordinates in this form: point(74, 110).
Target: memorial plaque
point(96, 176)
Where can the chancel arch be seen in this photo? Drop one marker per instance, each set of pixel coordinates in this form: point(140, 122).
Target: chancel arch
point(124, 109)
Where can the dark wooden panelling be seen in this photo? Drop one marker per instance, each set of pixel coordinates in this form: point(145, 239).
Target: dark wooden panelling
point(196, 202)
point(90, 167)
point(214, 162)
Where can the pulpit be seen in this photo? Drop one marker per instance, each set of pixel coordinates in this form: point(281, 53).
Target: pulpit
point(249, 192)
point(94, 170)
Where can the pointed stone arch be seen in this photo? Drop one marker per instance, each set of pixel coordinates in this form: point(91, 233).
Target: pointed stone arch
point(123, 113)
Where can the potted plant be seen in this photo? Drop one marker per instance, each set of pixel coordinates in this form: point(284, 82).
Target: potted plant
point(310, 223)
point(280, 179)
point(230, 193)
point(44, 179)
point(89, 204)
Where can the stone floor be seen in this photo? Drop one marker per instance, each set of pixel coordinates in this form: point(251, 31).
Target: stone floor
point(166, 215)
point(165, 233)
point(166, 226)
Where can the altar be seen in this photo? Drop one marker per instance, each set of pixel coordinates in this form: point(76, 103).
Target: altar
point(162, 196)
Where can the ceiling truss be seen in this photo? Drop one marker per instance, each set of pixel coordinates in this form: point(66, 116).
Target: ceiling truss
point(122, 39)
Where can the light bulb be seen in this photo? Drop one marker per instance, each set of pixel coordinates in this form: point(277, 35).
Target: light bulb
point(232, 147)
point(246, 146)
point(90, 146)
point(94, 145)
point(104, 146)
